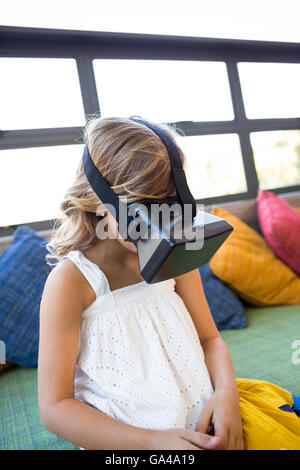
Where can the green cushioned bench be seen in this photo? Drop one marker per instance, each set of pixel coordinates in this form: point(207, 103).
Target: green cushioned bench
point(263, 351)
point(21, 427)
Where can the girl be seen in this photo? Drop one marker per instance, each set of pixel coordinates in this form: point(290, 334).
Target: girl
point(124, 364)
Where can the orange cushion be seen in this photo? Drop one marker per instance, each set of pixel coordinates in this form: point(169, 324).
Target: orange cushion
point(250, 268)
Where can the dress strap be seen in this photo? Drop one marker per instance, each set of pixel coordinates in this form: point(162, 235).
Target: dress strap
point(93, 274)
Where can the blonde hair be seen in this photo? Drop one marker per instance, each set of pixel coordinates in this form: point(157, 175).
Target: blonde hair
point(135, 163)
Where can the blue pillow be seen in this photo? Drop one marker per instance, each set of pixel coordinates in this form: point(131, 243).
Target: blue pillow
point(225, 307)
point(23, 273)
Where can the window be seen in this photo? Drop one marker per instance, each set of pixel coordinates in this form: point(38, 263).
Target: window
point(277, 158)
point(33, 182)
point(164, 90)
point(52, 81)
point(270, 90)
point(214, 165)
point(39, 93)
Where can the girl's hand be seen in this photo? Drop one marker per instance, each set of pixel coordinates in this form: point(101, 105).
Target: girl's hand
point(221, 417)
point(182, 439)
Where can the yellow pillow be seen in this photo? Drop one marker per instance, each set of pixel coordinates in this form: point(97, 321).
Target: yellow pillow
point(250, 268)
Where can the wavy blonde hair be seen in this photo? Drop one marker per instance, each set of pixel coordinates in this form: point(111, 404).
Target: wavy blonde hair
point(134, 162)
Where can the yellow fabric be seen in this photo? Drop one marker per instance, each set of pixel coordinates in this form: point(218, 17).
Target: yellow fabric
point(265, 426)
point(250, 268)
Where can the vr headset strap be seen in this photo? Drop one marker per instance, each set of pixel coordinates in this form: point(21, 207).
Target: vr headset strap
point(101, 187)
point(107, 195)
point(184, 195)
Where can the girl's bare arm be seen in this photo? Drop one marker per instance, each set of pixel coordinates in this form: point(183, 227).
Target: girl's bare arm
point(222, 410)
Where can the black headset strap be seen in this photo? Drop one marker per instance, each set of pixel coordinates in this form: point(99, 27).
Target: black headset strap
point(183, 193)
point(101, 187)
point(107, 195)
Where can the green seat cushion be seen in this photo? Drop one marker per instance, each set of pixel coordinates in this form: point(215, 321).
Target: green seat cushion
point(20, 423)
point(264, 350)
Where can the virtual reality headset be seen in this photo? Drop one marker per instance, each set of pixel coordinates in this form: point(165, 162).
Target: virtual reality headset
point(173, 235)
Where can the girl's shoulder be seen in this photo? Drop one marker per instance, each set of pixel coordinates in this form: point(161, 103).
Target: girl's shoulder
point(66, 279)
point(65, 292)
point(89, 271)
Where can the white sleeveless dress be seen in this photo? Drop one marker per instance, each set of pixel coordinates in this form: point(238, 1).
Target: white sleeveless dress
point(140, 360)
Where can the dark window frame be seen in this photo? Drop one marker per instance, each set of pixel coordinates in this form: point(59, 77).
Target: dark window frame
point(84, 46)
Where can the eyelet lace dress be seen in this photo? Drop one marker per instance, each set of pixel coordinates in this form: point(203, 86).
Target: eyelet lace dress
point(139, 359)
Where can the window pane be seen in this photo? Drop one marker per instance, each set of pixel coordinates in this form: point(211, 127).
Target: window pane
point(277, 158)
point(214, 165)
point(164, 90)
point(33, 182)
point(39, 93)
point(270, 90)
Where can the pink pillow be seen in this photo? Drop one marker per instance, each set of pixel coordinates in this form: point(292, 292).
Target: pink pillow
point(280, 225)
